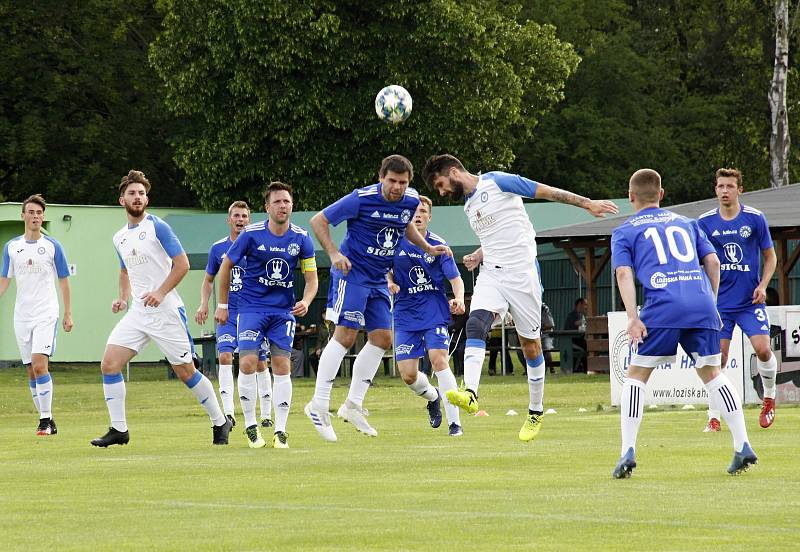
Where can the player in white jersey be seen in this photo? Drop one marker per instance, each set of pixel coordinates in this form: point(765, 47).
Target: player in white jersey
point(152, 263)
point(227, 342)
point(36, 261)
point(509, 276)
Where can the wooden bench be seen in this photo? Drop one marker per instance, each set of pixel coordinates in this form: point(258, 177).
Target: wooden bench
point(597, 344)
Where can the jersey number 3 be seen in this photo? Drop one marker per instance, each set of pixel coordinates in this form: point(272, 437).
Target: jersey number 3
point(683, 251)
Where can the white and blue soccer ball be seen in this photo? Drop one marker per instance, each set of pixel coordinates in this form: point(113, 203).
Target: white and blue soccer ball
point(393, 104)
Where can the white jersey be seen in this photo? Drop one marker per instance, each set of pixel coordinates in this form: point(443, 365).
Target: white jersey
point(146, 251)
point(35, 265)
point(497, 216)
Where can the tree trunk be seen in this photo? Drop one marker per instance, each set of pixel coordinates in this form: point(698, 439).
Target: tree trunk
point(779, 141)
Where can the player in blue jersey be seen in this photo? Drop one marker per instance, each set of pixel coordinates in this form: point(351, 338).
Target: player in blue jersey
point(268, 252)
point(377, 217)
point(740, 235)
point(238, 218)
point(422, 315)
point(509, 276)
point(152, 263)
point(665, 252)
point(37, 261)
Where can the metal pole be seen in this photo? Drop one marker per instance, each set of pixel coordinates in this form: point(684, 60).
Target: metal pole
point(503, 344)
point(613, 291)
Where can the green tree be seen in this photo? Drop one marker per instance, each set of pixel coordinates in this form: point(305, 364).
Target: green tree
point(284, 90)
point(80, 105)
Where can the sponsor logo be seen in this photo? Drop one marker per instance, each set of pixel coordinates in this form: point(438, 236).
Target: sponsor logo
point(184, 354)
point(354, 316)
point(135, 260)
point(484, 197)
point(745, 231)
point(403, 349)
point(481, 221)
point(620, 356)
point(142, 235)
point(658, 280)
point(226, 338)
point(261, 247)
point(387, 239)
point(402, 254)
point(284, 404)
point(375, 214)
point(420, 280)
point(293, 249)
point(733, 252)
point(391, 216)
point(40, 251)
point(29, 267)
point(715, 233)
point(765, 328)
point(276, 249)
point(405, 216)
point(248, 335)
point(20, 250)
point(277, 271)
point(237, 273)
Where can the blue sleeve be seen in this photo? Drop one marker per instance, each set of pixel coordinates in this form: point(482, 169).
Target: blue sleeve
point(167, 238)
point(6, 262)
point(307, 248)
point(60, 261)
point(237, 250)
point(344, 209)
point(449, 267)
point(766, 239)
point(212, 266)
point(704, 245)
point(621, 254)
point(516, 184)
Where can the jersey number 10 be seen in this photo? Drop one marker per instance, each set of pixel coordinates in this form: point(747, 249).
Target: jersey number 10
point(675, 250)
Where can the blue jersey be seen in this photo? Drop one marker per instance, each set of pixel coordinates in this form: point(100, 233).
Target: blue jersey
point(421, 302)
point(269, 262)
point(739, 243)
point(664, 250)
point(374, 228)
point(215, 256)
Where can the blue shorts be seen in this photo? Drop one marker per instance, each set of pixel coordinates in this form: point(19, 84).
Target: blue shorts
point(414, 344)
point(661, 345)
point(228, 342)
point(257, 327)
point(353, 306)
point(752, 320)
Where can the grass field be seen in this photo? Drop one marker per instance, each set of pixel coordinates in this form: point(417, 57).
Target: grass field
point(412, 488)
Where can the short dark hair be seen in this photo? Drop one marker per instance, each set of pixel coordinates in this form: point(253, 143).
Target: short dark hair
point(437, 165)
point(37, 199)
point(729, 172)
point(398, 164)
point(276, 187)
point(580, 301)
point(134, 177)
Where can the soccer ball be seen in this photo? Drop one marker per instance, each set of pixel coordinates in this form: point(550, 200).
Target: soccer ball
point(393, 104)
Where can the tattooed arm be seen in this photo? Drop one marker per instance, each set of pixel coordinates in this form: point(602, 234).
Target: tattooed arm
point(597, 207)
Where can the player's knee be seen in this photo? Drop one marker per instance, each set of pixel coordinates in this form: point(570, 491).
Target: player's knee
point(479, 323)
point(226, 358)
point(381, 339)
point(532, 349)
point(763, 352)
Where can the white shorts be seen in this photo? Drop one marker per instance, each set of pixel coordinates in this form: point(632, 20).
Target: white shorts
point(36, 337)
point(518, 292)
point(167, 328)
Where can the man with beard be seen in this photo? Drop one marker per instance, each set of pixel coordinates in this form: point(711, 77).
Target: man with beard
point(509, 276)
point(152, 263)
point(227, 340)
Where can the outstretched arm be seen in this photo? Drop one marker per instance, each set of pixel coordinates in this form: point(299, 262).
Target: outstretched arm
point(597, 207)
point(322, 230)
point(419, 240)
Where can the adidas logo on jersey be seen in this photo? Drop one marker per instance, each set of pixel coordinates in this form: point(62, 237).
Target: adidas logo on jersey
point(261, 247)
point(715, 233)
point(402, 253)
point(376, 214)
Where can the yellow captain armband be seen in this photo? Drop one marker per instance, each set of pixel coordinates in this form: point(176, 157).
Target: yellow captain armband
point(308, 265)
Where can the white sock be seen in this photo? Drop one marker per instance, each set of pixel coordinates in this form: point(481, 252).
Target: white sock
point(248, 393)
point(114, 392)
point(536, 369)
point(474, 354)
point(725, 399)
point(34, 396)
point(225, 379)
point(423, 388)
point(203, 391)
point(365, 367)
point(447, 381)
point(329, 362)
point(768, 371)
point(264, 382)
point(631, 404)
point(44, 392)
point(713, 412)
point(283, 401)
